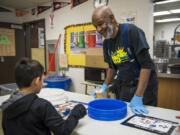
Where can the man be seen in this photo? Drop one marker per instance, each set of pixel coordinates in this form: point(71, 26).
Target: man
point(126, 51)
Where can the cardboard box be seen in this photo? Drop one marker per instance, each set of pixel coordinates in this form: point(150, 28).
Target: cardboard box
point(95, 61)
point(95, 58)
point(94, 51)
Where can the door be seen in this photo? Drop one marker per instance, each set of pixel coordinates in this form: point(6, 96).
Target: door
point(7, 63)
point(35, 40)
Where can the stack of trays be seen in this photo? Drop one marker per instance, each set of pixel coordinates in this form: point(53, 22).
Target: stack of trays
point(107, 109)
point(53, 95)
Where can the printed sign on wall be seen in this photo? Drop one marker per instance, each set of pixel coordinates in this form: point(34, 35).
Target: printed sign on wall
point(77, 39)
point(7, 42)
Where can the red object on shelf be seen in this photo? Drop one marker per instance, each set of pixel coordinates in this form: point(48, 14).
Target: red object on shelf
point(91, 40)
point(51, 61)
point(51, 58)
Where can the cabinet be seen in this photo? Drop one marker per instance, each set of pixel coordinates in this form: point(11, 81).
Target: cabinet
point(169, 93)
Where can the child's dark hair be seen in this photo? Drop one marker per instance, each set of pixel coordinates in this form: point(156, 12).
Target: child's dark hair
point(26, 70)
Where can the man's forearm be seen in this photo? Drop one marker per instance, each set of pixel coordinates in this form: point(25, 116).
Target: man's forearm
point(143, 81)
point(110, 75)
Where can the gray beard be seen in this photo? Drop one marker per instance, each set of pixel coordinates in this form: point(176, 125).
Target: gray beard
point(109, 31)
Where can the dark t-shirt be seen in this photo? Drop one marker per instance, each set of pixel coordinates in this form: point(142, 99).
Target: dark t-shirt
point(115, 53)
point(127, 57)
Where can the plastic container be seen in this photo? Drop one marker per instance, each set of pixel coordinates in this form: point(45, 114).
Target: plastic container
point(58, 82)
point(81, 40)
point(161, 65)
point(107, 109)
point(174, 68)
point(99, 41)
point(91, 39)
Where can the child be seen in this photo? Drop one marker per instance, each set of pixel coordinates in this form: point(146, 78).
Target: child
point(24, 113)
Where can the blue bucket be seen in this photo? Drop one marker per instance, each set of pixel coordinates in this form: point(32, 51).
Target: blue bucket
point(107, 109)
point(58, 82)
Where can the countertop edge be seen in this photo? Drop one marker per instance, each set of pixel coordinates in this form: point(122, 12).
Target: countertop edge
point(165, 75)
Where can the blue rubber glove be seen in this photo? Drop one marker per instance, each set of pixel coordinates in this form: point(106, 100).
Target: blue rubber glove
point(137, 106)
point(102, 89)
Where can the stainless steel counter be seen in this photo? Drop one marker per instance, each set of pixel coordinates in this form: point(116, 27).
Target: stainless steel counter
point(165, 75)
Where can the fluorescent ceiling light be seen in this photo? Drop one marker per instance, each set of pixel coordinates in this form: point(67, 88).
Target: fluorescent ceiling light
point(161, 13)
point(175, 11)
point(166, 1)
point(167, 20)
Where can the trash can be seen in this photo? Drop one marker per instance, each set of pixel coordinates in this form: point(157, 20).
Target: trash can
point(56, 81)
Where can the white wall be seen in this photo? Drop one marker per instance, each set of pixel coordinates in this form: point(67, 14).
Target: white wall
point(144, 14)
point(165, 31)
point(82, 14)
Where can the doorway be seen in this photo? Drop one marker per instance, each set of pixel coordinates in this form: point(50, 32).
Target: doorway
point(35, 40)
point(29, 42)
point(7, 63)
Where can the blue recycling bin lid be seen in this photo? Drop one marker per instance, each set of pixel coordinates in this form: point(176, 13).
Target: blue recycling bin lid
point(107, 109)
point(56, 81)
point(55, 78)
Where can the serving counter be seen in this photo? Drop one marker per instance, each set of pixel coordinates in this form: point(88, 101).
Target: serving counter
point(169, 91)
point(169, 76)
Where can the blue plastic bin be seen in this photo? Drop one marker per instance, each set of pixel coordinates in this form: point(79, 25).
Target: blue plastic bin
point(58, 82)
point(107, 109)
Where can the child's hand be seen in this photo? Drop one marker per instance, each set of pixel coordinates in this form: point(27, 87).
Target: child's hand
point(79, 111)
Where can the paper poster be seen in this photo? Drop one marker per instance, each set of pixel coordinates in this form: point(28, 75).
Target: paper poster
point(77, 39)
point(7, 42)
point(64, 109)
point(151, 124)
point(38, 54)
point(63, 61)
point(41, 37)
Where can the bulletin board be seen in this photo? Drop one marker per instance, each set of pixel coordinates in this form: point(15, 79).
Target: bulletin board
point(76, 38)
point(7, 42)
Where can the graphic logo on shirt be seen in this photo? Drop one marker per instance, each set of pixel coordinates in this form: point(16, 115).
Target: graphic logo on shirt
point(119, 56)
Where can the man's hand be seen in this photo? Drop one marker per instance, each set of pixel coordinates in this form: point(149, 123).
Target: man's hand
point(137, 106)
point(102, 90)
